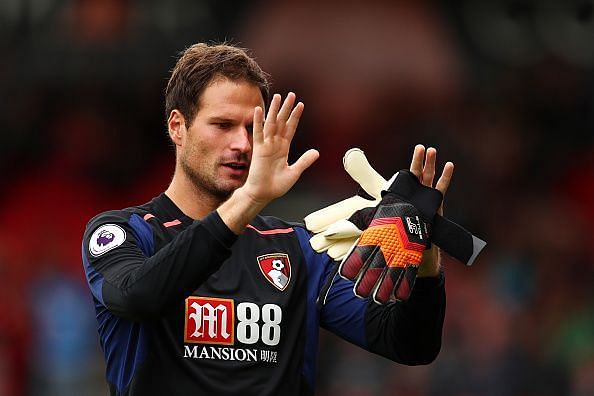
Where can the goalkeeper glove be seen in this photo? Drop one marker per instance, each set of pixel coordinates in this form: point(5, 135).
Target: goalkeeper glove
point(385, 259)
point(337, 227)
point(332, 231)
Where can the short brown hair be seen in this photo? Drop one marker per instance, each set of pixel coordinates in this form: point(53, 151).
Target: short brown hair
point(199, 65)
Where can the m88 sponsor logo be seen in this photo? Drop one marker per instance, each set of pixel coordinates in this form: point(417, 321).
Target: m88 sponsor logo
point(222, 321)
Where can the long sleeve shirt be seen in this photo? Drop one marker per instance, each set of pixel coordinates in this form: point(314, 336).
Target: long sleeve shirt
point(187, 307)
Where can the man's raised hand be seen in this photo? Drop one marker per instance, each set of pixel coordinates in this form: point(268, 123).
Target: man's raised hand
point(270, 175)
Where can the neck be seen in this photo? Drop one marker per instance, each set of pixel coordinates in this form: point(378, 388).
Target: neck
point(193, 201)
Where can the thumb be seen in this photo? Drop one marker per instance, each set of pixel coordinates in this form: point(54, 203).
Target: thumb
point(305, 161)
point(358, 167)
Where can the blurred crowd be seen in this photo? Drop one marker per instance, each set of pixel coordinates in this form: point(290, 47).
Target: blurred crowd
point(504, 89)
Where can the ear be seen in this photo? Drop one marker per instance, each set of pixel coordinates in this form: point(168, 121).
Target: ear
point(176, 125)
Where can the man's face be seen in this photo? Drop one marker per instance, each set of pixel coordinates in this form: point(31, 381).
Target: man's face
point(217, 151)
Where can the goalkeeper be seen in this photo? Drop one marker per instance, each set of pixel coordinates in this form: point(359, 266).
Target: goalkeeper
point(196, 293)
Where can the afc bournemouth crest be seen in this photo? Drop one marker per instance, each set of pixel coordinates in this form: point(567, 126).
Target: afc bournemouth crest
point(276, 268)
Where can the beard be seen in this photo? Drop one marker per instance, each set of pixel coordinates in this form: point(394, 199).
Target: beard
point(207, 183)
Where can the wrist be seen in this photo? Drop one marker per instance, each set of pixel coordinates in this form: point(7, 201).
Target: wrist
point(430, 265)
point(245, 196)
point(240, 209)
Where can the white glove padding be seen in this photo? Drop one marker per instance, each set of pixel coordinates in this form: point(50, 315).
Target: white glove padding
point(337, 239)
point(332, 231)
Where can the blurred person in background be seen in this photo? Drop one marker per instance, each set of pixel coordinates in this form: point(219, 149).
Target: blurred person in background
point(195, 292)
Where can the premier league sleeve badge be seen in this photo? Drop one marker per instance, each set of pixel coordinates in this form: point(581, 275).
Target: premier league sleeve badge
point(106, 238)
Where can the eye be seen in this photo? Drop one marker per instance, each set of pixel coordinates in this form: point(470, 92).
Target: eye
point(223, 125)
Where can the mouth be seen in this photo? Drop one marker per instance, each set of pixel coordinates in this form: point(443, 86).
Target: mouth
point(236, 166)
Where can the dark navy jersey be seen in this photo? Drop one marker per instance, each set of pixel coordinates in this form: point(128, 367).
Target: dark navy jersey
point(187, 307)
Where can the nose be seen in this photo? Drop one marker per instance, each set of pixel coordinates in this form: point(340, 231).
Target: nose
point(242, 140)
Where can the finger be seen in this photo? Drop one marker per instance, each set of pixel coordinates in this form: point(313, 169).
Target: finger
point(429, 168)
point(283, 114)
point(358, 167)
point(305, 161)
point(404, 289)
point(294, 121)
point(416, 166)
point(258, 128)
point(391, 280)
point(320, 243)
point(340, 248)
point(446, 177)
point(269, 126)
point(375, 265)
point(342, 229)
point(321, 219)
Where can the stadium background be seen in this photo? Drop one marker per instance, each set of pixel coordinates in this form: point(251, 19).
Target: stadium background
point(502, 88)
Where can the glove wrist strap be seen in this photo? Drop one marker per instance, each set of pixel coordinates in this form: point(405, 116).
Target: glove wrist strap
point(455, 240)
point(407, 187)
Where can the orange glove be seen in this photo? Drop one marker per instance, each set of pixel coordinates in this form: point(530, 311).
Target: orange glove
point(384, 262)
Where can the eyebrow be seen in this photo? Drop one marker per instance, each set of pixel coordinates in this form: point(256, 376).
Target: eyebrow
point(226, 120)
point(220, 119)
